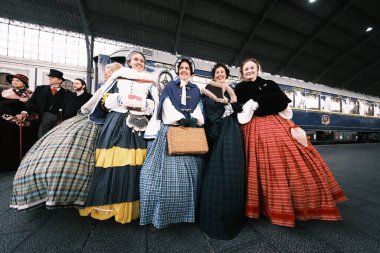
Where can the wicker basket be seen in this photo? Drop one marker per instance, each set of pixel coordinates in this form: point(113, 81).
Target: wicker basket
point(187, 141)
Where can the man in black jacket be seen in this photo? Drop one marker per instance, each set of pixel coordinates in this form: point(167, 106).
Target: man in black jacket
point(74, 101)
point(46, 101)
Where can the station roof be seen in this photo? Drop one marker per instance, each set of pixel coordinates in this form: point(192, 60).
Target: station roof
point(323, 42)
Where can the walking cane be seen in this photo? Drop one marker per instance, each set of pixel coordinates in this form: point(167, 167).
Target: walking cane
point(20, 128)
point(60, 114)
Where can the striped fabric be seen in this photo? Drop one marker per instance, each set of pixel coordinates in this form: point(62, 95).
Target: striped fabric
point(286, 181)
point(168, 185)
point(58, 169)
point(120, 153)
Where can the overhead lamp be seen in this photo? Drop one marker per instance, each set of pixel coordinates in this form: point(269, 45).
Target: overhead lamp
point(312, 1)
point(369, 28)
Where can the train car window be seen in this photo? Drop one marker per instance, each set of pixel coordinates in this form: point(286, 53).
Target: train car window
point(353, 106)
point(376, 110)
point(299, 99)
point(336, 105)
point(290, 94)
point(325, 102)
point(312, 101)
point(366, 108)
point(330, 103)
point(347, 106)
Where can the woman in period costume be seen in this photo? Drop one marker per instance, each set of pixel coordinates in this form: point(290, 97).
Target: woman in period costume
point(57, 170)
point(222, 197)
point(169, 183)
point(127, 103)
point(16, 137)
point(287, 179)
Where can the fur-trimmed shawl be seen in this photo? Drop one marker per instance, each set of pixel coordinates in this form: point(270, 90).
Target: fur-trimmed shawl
point(225, 86)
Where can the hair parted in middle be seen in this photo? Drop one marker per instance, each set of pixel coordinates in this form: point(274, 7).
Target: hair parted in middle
point(184, 59)
point(132, 53)
point(252, 60)
point(81, 81)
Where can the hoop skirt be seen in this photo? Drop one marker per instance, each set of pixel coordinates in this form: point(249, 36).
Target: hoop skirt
point(222, 197)
point(57, 170)
point(286, 181)
point(120, 153)
point(169, 185)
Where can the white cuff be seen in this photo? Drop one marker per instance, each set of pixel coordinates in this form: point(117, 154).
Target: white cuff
point(198, 115)
point(170, 115)
point(248, 109)
point(287, 113)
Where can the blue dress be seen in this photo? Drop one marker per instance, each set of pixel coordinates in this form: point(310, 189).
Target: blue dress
point(169, 185)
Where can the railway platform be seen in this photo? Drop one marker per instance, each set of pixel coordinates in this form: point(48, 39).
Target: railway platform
point(356, 167)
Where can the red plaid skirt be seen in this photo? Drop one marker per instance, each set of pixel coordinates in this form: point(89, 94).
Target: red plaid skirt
point(286, 181)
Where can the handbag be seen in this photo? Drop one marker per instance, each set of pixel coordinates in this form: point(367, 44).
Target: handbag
point(187, 141)
point(299, 134)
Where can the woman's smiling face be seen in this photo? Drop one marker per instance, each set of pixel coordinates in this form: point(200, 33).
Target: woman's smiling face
point(220, 75)
point(137, 62)
point(250, 71)
point(184, 71)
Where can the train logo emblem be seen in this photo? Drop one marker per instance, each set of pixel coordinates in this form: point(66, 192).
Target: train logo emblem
point(325, 120)
point(163, 79)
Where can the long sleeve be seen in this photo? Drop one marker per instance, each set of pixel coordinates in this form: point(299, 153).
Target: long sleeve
point(170, 115)
point(154, 123)
point(198, 115)
point(248, 109)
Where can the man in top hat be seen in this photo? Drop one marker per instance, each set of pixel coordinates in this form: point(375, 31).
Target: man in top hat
point(46, 101)
point(74, 101)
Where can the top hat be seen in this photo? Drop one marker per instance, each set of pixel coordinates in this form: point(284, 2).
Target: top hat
point(21, 77)
point(56, 73)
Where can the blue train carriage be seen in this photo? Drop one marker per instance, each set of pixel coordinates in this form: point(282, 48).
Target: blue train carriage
point(332, 115)
point(327, 114)
point(160, 64)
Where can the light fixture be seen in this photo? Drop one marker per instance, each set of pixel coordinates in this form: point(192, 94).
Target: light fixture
point(369, 28)
point(312, 1)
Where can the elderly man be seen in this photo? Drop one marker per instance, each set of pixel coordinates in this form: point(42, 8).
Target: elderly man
point(46, 101)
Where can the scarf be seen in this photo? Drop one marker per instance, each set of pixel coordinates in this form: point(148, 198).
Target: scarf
point(92, 107)
point(16, 94)
point(225, 86)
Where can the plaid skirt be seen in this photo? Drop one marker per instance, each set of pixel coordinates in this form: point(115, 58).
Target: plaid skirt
point(286, 181)
point(57, 170)
point(168, 185)
point(222, 197)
